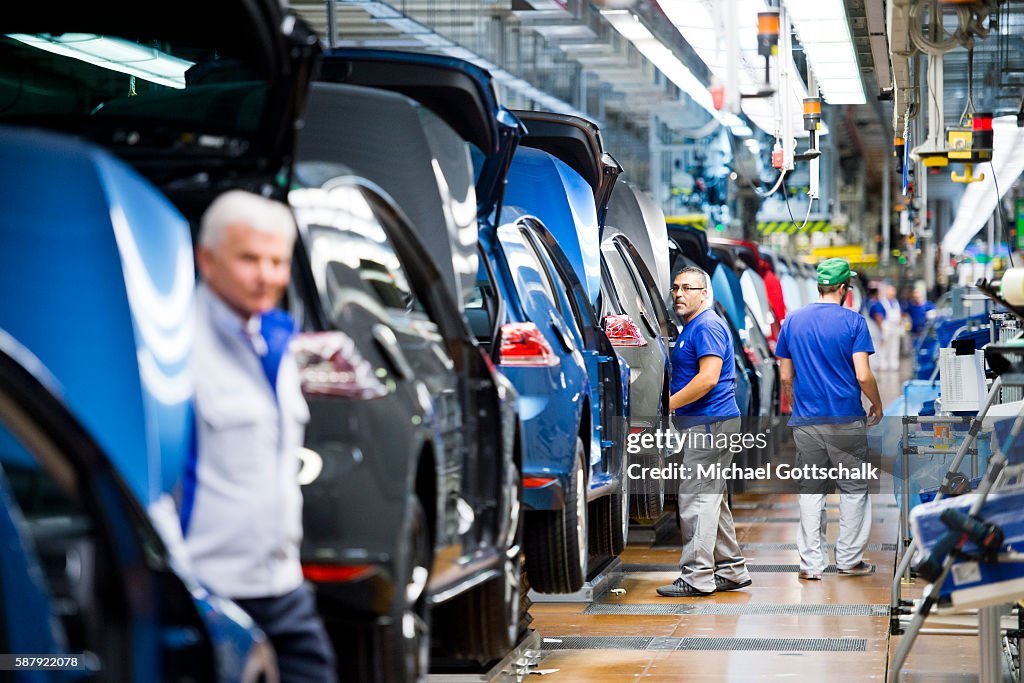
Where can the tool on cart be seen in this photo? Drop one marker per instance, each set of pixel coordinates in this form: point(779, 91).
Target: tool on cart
point(962, 528)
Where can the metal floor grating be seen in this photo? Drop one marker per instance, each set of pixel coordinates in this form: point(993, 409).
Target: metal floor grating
point(704, 643)
point(750, 505)
point(752, 568)
point(747, 609)
point(790, 520)
point(875, 547)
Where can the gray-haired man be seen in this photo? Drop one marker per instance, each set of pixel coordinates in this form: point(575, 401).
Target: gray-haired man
point(241, 504)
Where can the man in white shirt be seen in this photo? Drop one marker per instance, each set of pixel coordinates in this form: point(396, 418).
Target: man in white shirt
point(241, 504)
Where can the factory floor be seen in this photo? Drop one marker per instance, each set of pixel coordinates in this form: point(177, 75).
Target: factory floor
point(780, 628)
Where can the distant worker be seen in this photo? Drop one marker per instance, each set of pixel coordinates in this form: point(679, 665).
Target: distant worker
point(703, 396)
point(888, 316)
point(823, 350)
point(920, 312)
point(241, 505)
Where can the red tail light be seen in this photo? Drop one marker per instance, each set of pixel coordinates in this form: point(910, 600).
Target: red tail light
point(335, 573)
point(622, 331)
point(331, 365)
point(522, 344)
point(536, 482)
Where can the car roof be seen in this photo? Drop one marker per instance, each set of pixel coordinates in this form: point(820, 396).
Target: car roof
point(390, 140)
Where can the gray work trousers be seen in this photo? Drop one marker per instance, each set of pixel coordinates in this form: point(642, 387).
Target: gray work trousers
point(828, 446)
point(709, 535)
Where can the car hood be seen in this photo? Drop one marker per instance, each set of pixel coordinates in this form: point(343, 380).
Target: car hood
point(459, 92)
point(217, 100)
point(104, 278)
point(578, 143)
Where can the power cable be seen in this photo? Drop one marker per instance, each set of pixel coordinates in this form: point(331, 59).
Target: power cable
point(1002, 214)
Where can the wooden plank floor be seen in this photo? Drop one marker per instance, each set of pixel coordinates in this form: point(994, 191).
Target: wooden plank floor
point(935, 658)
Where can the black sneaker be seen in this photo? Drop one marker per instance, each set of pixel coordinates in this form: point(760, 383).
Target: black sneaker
point(862, 568)
point(724, 584)
point(681, 589)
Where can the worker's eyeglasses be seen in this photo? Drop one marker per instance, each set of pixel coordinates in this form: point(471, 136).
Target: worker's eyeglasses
point(676, 288)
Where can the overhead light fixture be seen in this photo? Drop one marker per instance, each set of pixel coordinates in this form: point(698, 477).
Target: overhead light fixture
point(979, 199)
point(114, 54)
point(695, 21)
point(825, 35)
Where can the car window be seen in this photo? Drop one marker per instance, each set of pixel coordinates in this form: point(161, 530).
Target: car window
point(611, 301)
point(644, 301)
point(350, 252)
point(567, 304)
point(530, 278)
point(78, 566)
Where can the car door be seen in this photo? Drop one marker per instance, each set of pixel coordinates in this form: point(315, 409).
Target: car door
point(367, 292)
point(105, 579)
point(611, 401)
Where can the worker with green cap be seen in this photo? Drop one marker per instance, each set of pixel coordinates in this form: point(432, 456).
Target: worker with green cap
point(823, 354)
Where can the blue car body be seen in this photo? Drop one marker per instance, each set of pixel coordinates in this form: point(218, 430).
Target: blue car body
point(542, 186)
point(105, 281)
point(555, 402)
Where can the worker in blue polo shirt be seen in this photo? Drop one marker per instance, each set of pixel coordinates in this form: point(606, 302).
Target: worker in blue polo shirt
point(703, 399)
point(823, 354)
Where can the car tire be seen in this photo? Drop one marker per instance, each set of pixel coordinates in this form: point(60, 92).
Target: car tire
point(646, 494)
point(556, 540)
point(611, 524)
point(407, 641)
point(485, 623)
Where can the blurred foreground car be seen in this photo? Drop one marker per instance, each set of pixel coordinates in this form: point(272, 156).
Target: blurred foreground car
point(87, 450)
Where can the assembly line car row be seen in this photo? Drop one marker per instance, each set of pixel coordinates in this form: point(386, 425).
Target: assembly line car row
point(483, 320)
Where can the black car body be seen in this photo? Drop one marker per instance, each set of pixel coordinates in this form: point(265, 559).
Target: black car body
point(461, 464)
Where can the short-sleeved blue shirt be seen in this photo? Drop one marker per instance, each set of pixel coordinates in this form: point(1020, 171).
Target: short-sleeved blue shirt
point(876, 309)
point(821, 339)
point(919, 315)
point(705, 335)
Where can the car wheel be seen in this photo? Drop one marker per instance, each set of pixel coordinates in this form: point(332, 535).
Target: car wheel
point(484, 624)
point(556, 540)
point(608, 533)
point(408, 638)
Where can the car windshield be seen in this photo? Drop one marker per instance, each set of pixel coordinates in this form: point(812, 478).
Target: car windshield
point(175, 94)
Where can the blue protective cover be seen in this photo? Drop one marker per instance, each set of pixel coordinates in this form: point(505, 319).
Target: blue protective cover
point(926, 349)
point(97, 270)
point(545, 187)
point(1004, 509)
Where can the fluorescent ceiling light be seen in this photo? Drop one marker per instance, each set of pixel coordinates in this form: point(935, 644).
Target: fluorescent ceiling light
point(115, 54)
point(979, 199)
point(825, 35)
point(629, 26)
